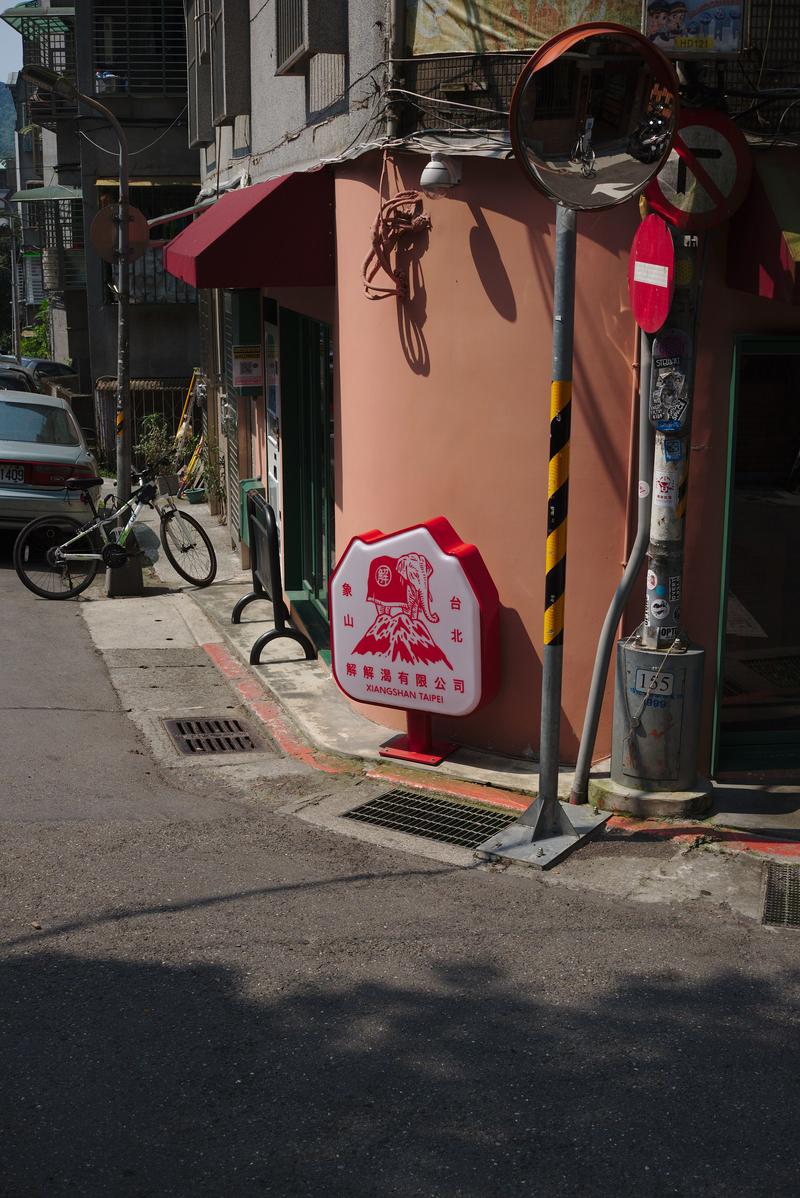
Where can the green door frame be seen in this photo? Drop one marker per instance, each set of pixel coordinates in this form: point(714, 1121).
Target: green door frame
point(748, 756)
point(307, 472)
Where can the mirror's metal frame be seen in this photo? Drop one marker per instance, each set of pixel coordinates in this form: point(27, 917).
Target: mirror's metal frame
point(549, 53)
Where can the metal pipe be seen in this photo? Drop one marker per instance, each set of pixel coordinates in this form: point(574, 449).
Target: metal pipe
point(122, 220)
point(397, 19)
point(557, 500)
point(13, 252)
point(605, 645)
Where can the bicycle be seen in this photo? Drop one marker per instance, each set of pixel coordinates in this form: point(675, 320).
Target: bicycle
point(582, 151)
point(57, 557)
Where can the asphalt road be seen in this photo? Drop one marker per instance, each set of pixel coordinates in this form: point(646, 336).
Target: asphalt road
point(202, 996)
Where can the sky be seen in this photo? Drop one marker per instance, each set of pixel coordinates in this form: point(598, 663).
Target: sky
point(10, 51)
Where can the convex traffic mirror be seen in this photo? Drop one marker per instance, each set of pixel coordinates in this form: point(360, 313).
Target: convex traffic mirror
point(593, 115)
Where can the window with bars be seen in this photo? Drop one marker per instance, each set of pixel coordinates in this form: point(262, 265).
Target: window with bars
point(63, 258)
point(150, 283)
point(139, 47)
point(51, 44)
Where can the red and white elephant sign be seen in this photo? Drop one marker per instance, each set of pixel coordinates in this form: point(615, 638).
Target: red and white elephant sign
point(414, 621)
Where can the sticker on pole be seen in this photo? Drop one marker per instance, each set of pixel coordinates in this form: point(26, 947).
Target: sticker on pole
point(707, 174)
point(669, 387)
point(651, 274)
point(414, 621)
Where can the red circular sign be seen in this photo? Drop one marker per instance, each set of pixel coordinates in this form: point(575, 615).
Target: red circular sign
point(707, 174)
point(651, 274)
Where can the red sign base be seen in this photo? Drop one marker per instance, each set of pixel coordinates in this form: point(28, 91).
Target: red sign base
point(417, 744)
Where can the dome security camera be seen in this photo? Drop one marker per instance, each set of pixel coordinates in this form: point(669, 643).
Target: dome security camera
point(439, 175)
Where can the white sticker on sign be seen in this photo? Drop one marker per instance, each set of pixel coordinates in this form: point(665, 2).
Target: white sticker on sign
point(651, 272)
point(653, 682)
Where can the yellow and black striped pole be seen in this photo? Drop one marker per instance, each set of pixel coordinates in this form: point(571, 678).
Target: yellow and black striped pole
point(557, 503)
point(545, 814)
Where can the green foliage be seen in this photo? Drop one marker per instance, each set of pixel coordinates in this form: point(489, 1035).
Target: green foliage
point(213, 472)
point(155, 440)
point(38, 344)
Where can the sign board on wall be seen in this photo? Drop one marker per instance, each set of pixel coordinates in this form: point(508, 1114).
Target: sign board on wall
point(692, 28)
point(487, 26)
point(247, 370)
point(414, 621)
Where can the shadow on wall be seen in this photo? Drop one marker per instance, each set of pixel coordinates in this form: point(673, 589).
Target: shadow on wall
point(142, 1079)
point(520, 674)
point(412, 312)
point(489, 265)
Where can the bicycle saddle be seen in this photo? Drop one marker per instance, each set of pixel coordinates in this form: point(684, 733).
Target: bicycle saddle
point(82, 484)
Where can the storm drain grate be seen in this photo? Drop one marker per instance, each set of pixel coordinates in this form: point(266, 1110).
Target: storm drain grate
point(782, 896)
point(211, 735)
point(434, 818)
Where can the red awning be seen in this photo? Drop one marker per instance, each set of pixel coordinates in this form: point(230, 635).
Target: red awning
point(275, 234)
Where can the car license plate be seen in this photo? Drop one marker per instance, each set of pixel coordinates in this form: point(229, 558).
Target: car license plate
point(12, 472)
point(650, 681)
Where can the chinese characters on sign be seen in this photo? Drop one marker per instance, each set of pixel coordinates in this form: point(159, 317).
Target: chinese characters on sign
point(414, 621)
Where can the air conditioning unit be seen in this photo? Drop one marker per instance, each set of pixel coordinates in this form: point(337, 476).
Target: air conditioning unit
point(305, 28)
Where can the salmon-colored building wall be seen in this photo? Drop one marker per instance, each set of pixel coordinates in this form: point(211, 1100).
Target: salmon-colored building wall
point(444, 409)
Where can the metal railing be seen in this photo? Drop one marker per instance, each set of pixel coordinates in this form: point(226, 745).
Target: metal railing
point(152, 284)
point(164, 397)
point(139, 49)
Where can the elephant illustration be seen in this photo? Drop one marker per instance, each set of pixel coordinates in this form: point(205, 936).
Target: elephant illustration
point(399, 588)
point(416, 569)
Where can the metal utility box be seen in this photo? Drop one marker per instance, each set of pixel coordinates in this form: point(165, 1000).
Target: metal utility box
point(657, 704)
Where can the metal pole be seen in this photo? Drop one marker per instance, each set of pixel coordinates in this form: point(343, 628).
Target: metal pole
point(12, 226)
point(663, 625)
point(122, 221)
point(557, 500)
point(544, 833)
point(605, 646)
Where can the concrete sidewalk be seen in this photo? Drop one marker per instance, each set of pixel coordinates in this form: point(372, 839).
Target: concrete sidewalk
point(308, 696)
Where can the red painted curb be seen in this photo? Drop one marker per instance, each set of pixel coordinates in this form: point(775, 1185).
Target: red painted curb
point(265, 709)
point(255, 698)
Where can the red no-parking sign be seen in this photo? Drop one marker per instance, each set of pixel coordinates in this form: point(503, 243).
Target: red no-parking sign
point(707, 174)
point(651, 274)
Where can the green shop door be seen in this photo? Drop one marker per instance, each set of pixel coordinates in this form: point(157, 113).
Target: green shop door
point(758, 704)
point(307, 452)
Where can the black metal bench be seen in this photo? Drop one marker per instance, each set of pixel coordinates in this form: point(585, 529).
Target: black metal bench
point(265, 555)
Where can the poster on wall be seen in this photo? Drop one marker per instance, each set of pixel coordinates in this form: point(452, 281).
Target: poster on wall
point(704, 28)
point(247, 366)
point(492, 26)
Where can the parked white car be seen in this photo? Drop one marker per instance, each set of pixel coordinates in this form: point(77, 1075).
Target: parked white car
point(41, 446)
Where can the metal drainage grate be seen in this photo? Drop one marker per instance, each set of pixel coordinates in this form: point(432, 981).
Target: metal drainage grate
point(211, 735)
point(434, 818)
point(782, 896)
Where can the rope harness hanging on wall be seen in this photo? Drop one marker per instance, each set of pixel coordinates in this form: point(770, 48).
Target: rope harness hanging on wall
point(400, 216)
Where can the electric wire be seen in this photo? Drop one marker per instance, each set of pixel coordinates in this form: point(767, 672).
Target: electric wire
point(142, 149)
point(449, 103)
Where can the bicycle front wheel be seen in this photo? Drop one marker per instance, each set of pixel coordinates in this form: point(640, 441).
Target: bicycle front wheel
point(188, 548)
point(36, 563)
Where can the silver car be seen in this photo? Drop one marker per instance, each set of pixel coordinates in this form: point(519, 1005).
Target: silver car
point(41, 446)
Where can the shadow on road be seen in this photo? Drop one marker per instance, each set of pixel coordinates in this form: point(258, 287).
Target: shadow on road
point(146, 1079)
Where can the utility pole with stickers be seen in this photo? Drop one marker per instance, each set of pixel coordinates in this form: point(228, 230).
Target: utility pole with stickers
point(659, 679)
